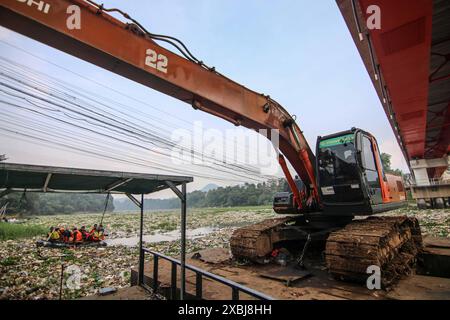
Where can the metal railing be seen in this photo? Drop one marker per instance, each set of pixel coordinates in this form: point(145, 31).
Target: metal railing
point(431, 182)
point(439, 181)
point(235, 288)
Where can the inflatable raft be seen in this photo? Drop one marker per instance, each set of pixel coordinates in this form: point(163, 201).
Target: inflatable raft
point(48, 244)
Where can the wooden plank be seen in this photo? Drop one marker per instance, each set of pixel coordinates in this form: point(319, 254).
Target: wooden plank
point(437, 242)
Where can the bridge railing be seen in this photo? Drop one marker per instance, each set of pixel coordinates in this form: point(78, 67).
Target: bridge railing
point(235, 288)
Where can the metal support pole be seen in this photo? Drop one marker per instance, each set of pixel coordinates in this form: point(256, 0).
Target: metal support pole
point(155, 273)
point(183, 242)
point(141, 245)
point(234, 294)
point(198, 285)
point(173, 285)
point(61, 280)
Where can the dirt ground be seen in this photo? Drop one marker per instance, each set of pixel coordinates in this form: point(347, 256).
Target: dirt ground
point(30, 273)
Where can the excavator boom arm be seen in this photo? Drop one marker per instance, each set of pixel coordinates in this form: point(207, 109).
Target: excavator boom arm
point(85, 30)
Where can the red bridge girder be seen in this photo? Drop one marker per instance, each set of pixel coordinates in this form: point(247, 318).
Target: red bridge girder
point(408, 59)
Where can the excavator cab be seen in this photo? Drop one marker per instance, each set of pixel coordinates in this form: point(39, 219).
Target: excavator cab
point(350, 175)
point(350, 178)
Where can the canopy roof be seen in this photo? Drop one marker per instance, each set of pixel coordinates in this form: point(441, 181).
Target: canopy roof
point(21, 177)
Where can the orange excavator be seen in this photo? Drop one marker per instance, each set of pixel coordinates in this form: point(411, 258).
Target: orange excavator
point(345, 179)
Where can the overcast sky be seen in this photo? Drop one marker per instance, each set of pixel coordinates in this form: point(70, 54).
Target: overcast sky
point(298, 52)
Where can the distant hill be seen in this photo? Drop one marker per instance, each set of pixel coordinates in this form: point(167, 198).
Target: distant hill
point(209, 187)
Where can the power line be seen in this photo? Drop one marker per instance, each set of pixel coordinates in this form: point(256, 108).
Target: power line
point(85, 151)
point(45, 95)
point(101, 148)
point(92, 81)
point(48, 101)
point(115, 138)
point(139, 134)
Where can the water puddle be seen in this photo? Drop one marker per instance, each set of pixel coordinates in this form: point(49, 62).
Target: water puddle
point(161, 237)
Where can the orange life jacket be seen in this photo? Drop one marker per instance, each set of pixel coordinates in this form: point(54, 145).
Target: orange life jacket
point(78, 237)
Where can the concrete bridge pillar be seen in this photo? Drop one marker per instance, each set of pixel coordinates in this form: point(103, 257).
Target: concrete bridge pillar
point(430, 192)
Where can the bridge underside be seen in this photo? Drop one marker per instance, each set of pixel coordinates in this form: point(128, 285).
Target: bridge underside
point(408, 60)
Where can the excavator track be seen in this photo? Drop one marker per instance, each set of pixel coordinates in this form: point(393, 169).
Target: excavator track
point(391, 243)
point(256, 241)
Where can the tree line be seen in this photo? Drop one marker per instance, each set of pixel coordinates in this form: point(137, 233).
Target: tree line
point(232, 196)
point(55, 203)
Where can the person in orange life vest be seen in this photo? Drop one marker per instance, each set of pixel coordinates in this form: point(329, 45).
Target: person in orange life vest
point(96, 236)
point(91, 233)
point(76, 235)
point(84, 233)
point(94, 228)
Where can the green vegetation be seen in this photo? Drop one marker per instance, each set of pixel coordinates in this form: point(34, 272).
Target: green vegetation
point(166, 226)
point(386, 161)
point(45, 204)
point(11, 231)
point(8, 261)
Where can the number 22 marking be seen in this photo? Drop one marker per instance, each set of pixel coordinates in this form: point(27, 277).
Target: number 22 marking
point(156, 61)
